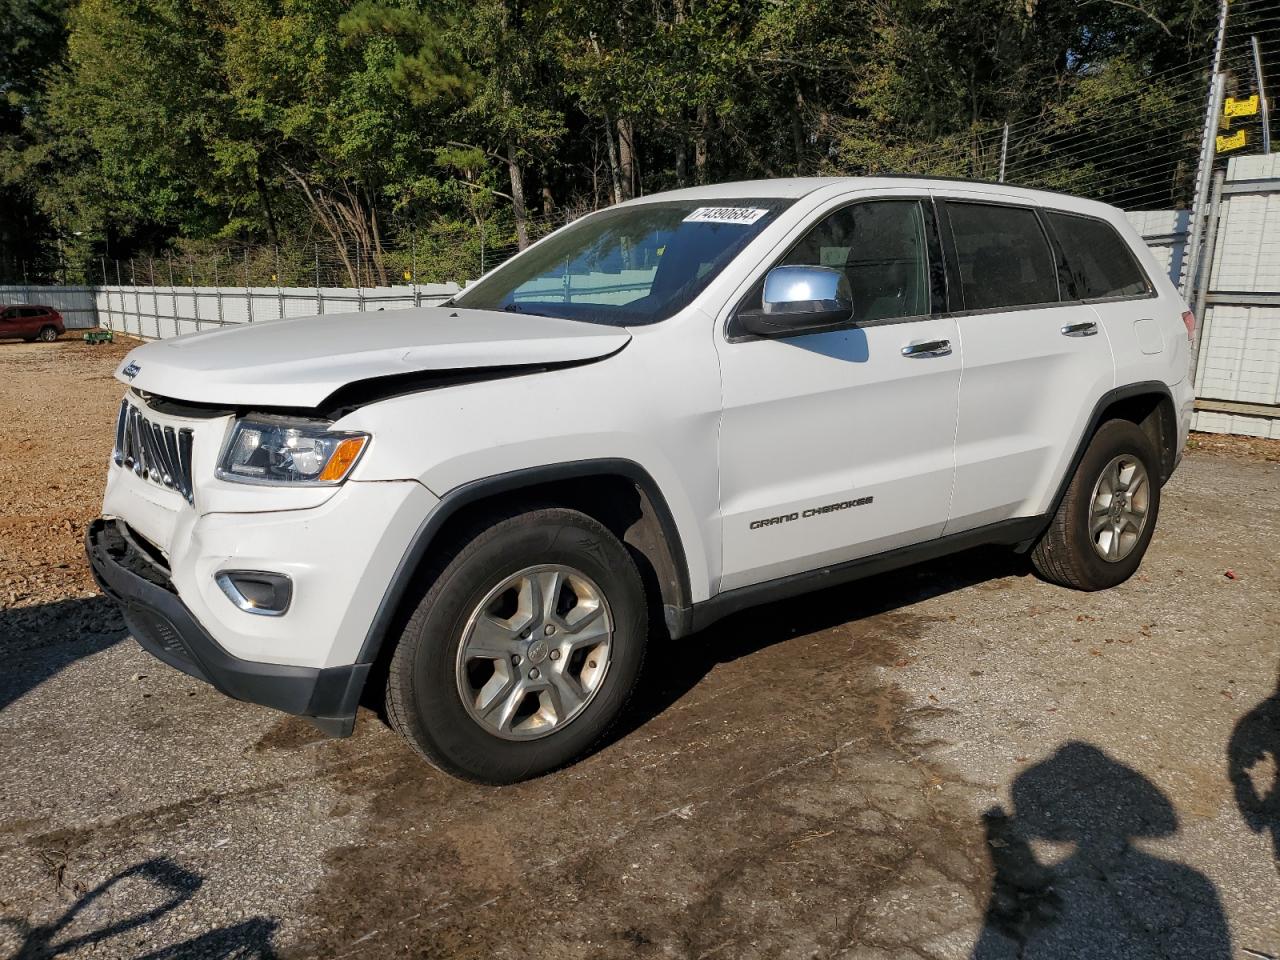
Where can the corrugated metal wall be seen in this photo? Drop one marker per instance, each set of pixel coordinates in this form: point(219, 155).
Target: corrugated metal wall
point(74, 303)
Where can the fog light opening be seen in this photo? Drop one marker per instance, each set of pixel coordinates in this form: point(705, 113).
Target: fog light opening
point(257, 591)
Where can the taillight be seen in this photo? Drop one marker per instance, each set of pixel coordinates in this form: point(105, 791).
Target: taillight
point(1189, 319)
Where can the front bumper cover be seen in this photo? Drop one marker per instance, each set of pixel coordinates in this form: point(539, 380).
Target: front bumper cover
point(164, 627)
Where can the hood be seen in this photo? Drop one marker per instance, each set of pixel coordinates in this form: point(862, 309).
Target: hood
point(300, 362)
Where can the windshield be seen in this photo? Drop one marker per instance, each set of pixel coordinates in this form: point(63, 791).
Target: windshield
point(627, 265)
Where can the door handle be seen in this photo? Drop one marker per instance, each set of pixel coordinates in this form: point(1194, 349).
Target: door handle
point(927, 348)
point(1086, 329)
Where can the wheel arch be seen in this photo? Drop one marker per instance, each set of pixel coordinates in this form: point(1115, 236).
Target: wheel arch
point(619, 493)
point(1148, 404)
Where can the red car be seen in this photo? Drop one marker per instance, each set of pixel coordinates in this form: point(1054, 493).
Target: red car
point(30, 321)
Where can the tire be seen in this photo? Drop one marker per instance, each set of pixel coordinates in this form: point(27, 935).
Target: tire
point(479, 600)
point(47, 335)
point(1091, 522)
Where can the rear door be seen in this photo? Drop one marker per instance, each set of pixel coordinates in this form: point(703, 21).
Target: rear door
point(838, 445)
point(1147, 334)
point(1035, 359)
point(30, 320)
point(37, 319)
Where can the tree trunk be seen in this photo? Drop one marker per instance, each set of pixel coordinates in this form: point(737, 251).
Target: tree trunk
point(700, 150)
point(627, 157)
point(517, 196)
point(379, 258)
point(682, 164)
point(265, 199)
point(548, 201)
point(797, 129)
point(614, 172)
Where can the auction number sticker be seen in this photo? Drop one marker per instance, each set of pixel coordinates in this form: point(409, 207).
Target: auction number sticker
point(743, 215)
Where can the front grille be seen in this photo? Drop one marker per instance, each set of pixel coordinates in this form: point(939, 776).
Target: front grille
point(159, 453)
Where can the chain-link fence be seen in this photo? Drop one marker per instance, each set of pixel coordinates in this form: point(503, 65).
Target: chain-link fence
point(407, 255)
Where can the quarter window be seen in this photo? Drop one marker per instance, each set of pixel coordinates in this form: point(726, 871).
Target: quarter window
point(882, 248)
point(1099, 262)
point(1003, 255)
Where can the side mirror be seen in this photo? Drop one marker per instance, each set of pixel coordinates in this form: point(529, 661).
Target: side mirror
point(801, 300)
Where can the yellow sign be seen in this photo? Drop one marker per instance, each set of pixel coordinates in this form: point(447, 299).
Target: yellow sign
point(408, 275)
point(1233, 142)
point(1242, 107)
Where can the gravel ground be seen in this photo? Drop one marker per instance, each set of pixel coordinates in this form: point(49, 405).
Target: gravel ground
point(952, 761)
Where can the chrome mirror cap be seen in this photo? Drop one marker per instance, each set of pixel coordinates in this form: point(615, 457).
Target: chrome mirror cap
point(799, 289)
point(799, 300)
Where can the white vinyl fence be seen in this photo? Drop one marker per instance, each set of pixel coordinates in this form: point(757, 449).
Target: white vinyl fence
point(160, 312)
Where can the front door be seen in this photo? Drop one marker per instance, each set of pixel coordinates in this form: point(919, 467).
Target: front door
point(835, 446)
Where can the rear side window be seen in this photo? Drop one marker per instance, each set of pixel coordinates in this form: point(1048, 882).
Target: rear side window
point(1099, 262)
point(1003, 256)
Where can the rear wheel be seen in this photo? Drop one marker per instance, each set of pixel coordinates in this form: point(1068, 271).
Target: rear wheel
point(1102, 527)
point(524, 649)
point(47, 334)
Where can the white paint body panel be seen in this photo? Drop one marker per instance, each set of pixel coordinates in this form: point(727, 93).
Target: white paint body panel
point(729, 432)
point(299, 362)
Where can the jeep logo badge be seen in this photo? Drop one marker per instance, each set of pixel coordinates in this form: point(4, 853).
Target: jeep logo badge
point(132, 370)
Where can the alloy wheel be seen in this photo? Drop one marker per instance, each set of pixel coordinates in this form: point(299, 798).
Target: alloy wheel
point(1119, 506)
point(535, 652)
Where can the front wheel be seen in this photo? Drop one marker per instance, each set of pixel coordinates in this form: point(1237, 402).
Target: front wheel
point(524, 650)
point(1102, 527)
point(47, 335)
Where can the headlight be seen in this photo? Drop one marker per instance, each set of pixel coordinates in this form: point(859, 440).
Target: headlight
point(267, 450)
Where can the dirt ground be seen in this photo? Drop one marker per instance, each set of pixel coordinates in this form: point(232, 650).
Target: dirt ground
point(952, 761)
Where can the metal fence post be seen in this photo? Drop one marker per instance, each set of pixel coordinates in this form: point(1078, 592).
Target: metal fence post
point(315, 249)
point(248, 293)
point(155, 296)
point(106, 287)
point(217, 293)
point(413, 264)
point(359, 279)
point(1004, 151)
point(173, 292)
point(195, 293)
point(279, 288)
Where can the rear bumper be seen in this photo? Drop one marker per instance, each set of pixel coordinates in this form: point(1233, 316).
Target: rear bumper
point(164, 626)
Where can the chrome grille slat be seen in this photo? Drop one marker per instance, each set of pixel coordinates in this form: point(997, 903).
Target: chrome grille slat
point(160, 454)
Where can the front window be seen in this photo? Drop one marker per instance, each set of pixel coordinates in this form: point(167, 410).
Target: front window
point(628, 265)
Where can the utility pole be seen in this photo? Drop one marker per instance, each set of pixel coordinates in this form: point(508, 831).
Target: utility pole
point(1204, 170)
point(1262, 95)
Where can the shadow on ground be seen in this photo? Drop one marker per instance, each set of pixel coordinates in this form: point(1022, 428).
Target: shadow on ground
point(1253, 764)
point(676, 667)
point(1106, 899)
point(115, 917)
point(38, 642)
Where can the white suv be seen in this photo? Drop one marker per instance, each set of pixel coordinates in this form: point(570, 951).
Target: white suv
point(665, 412)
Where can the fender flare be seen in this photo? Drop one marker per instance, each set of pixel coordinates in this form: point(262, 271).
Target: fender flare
point(516, 480)
point(1143, 388)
